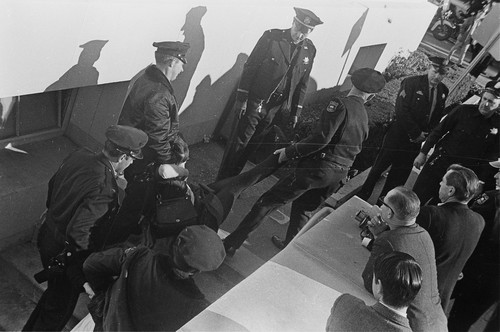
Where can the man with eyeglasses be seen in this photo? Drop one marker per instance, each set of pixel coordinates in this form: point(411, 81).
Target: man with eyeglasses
point(399, 210)
point(419, 107)
point(274, 78)
point(82, 202)
point(454, 228)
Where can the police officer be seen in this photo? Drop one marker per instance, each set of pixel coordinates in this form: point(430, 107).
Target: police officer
point(467, 136)
point(151, 106)
point(324, 158)
point(419, 108)
point(274, 78)
point(81, 204)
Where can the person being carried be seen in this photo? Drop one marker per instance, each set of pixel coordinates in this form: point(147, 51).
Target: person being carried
point(397, 279)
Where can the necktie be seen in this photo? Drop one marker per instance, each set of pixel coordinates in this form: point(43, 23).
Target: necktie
point(432, 100)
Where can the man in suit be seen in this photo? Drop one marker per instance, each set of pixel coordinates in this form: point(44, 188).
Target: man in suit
point(419, 107)
point(397, 279)
point(467, 136)
point(399, 210)
point(480, 287)
point(324, 158)
point(274, 78)
point(454, 228)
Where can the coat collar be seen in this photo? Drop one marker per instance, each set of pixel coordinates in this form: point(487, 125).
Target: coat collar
point(157, 75)
point(391, 315)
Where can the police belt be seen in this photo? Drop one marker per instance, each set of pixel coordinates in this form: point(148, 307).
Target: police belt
point(332, 159)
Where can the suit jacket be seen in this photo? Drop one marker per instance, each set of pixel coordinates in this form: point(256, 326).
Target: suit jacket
point(351, 314)
point(413, 107)
point(268, 64)
point(146, 296)
point(425, 312)
point(151, 106)
point(455, 230)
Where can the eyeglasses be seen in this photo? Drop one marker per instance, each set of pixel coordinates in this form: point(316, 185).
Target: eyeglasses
point(381, 201)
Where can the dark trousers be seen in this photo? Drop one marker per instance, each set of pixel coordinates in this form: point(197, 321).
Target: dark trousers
point(399, 153)
point(308, 186)
point(55, 307)
point(427, 184)
point(247, 136)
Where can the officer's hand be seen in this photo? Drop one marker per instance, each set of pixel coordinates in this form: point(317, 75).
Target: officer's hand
point(240, 108)
point(420, 138)
point(420, 160)
point(293, 121)
point(282, 158)
point(88, 290)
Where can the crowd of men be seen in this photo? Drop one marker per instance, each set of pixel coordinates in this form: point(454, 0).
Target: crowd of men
point(125, 253)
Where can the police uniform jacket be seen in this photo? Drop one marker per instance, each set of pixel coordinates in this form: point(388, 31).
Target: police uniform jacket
point(466, 136)
point(151, 106)
point(413, 106)
point(339, 134)
point(82, 201)
point(146, 296)
point(268, 63)
point(455, 230)
point(425, 312)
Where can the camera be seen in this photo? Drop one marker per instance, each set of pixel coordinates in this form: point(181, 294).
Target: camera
point(363, 219)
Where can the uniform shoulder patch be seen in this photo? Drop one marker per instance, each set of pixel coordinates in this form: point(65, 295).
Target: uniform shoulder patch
point(335, 105)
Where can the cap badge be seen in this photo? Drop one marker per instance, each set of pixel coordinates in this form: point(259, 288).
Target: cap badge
point(306, 60)
point(332, 106)
point(307, 20)
point(494, 131)
point(420, 93)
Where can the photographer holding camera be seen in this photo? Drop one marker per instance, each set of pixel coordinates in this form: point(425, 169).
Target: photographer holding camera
point(82, 202)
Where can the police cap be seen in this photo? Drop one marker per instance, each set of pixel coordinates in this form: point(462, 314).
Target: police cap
point(307, 17)
point(129, 140)
point(200, 248)
point(174, 48)
point(495, 163)
point(441, 64)
point(493, 87)
point(368, 80)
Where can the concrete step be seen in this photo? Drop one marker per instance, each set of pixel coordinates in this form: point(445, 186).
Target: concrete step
point(19, 292)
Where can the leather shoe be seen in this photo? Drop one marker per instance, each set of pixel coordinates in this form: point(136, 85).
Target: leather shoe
point(278, 242)
point(230, 250)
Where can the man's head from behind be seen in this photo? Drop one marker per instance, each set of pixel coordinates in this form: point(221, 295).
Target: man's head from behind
point(397, 278)
point(170, 57)
point(196, 249)
point(458, 184)
point(401, 207)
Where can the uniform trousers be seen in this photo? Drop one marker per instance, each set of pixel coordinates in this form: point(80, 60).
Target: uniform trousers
point(248, 136)
point(312, 181)
point(399, 153)
point(55, 307)
point(427, 184)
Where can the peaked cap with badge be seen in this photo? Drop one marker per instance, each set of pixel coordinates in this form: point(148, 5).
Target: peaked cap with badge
point(493, 87)
point(440, 64)
point(130, 140)
point(174, 48)
point(307, 17)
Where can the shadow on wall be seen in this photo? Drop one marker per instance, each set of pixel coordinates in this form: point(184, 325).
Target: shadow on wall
point(209, 102)
point(83, 73)
point(193, 34)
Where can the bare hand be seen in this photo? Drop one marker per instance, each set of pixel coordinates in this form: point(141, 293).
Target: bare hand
point(420, 138)
point(293, 121)
point(420, 160)
point(240, 108)
point(88, 290)
point(282, 158)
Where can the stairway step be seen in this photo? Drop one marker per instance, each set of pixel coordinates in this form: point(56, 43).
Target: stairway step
point(21, 292)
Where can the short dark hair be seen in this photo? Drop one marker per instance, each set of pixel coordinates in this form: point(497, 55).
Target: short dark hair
point(180, 151)
point(163, 58)
point(401, 278)
point(464, 180)
point(405, 203)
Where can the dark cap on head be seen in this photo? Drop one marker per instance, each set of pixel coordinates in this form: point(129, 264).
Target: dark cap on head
point(439, 63)
point(200, 248)
point(368, 80)
point(493, 87)
point(306, 17)
point(127, 139)
point(174, 48)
